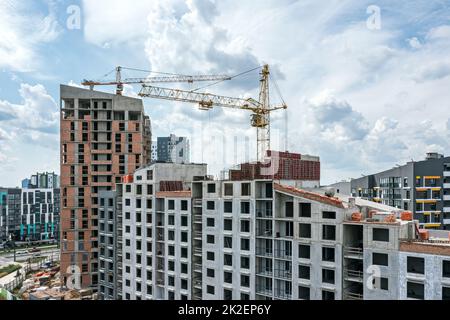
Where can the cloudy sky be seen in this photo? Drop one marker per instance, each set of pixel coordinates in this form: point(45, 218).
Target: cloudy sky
point(367, 82)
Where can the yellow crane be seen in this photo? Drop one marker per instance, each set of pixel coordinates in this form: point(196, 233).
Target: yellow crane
point(165, 78)
point(261, 108)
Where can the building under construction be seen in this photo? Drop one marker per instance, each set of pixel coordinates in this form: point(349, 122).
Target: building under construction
point(103, 137)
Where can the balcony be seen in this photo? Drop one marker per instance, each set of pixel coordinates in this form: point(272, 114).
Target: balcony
point(353, 296)
point(446, 173)
point(353, 253)
point(283, 274)
point(280, 295)
point(264, 273)
point(446, 185)
point(446, 221)
point(265, 214)
point(264, 252)
point(283, 254)
point(447, 197)
point(264, 233)
point(197, 202)
point(264, 291)
point(354, 275)
point(198, 252)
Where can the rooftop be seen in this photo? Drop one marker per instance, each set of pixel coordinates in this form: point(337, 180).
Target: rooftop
point(174, 194)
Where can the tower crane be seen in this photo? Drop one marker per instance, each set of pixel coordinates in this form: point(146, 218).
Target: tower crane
point(261, 108)
point(119, 82)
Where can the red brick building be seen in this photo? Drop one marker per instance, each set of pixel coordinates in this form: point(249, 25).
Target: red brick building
point(103, 137)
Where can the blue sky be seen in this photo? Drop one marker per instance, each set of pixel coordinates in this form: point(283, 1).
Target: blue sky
point(363, 98)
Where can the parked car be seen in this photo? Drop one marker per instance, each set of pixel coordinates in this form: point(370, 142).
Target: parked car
point(34, 250)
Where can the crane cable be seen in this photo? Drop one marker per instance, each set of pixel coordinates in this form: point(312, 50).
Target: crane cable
point(235, 76)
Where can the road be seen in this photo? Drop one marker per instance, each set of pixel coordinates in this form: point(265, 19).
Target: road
point(9, 257)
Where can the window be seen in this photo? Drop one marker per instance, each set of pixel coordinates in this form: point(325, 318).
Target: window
point(245, 189)
point(184, 221)
point(171, 251)
point(380, 259)
point(289, 209)
point(328, 254)
point(184, 205)
point(383, 283)
point(245, 207)
point(328, 232)
point(210, 256)
point(210, 222)
point(380, 234)
point(328, 276)
point(245, 263)
point(329, 215)
point(171, 220)
point(227, 294)
point(210, 205)
point(184, 252)
point(228, 259)
point(228, 189)
point(245, 281)
point(245, 296)
point(304, 210)
point(184, 237)
point(228, 207)
point(415, 290)
point(228, 242)
point(327, 295)
point(184, 268)
point(445, 293)
point(184, 284)
point(210, 239)
point(171, 281)
point(210, 289)
point(304, 293)
point(446, 268)
point(228, 277)
point(304, 251)
point(210, 273)
point(171, 204)
point(228, 225)
point(245, 244)
point(304, 272)
point(211, 188)
point(304, 230)
point(416, 265)
point(245, 226)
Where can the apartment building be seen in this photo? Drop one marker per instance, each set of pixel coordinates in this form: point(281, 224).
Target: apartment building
point(44, 180)
point(422, 187)
point(157, 232)
point(103, 138)
point(173, 149)
point(110, 244)
point(29, 214)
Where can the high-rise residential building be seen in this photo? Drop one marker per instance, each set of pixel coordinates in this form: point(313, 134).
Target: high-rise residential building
point(103, 137)
point(29, 214)
point(187, 236)
point(45, 180)
point(154, 156)
point(422, 187)
point(173, 149)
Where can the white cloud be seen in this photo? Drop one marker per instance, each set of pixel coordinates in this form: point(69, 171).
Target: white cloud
point(38, 112)
point(361, 99)
point(23, 31)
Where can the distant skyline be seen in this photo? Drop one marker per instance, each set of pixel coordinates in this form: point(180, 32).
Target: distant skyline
point(367, 86)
